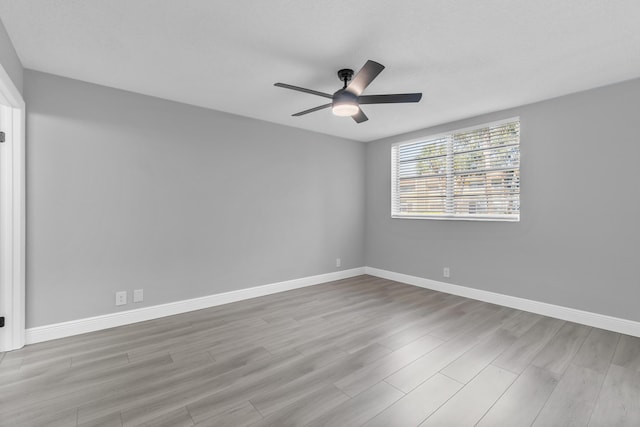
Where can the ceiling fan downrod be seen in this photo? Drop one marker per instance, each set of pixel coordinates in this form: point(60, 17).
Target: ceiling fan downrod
point(345, 75)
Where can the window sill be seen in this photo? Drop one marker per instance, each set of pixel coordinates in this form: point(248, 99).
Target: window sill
point(460, 218)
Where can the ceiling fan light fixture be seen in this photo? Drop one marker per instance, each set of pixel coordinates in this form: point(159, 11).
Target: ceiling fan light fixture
point(345, 109)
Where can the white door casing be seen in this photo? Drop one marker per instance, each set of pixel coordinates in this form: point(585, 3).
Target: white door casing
point(12, 214)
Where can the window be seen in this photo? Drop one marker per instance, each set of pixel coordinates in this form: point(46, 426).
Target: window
point(471, 173)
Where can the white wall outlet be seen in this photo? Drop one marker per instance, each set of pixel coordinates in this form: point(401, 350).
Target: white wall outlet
point(138, 295)
point(121, 298)
point(446, 272)
point(338, 262)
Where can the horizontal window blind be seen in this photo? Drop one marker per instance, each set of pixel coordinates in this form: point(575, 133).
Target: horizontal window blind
point(467, 174)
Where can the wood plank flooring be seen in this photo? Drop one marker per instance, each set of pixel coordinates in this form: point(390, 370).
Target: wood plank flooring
point(360, 351)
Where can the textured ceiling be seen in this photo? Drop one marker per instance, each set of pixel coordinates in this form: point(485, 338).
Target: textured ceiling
point(467, 57)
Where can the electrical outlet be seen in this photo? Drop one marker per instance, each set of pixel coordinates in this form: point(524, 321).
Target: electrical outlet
point(446, 272)
point(138, 295)
point(338, 262)
point(121, 298)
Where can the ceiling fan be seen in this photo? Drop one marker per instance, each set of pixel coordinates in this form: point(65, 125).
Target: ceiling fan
point(347, 101)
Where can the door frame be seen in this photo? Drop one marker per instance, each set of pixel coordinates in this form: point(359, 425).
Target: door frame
point(12, 215)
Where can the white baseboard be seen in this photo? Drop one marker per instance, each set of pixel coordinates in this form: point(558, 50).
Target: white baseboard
point(601, 321)
point(90, 324)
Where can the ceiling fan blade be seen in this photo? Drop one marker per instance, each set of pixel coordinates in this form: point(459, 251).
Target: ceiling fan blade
point(390, 99)
point(311, 110)
point(360, 116)
point(365, 76)
point(301, 89)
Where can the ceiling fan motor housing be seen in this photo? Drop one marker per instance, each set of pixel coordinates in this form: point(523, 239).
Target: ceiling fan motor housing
point(343, 96)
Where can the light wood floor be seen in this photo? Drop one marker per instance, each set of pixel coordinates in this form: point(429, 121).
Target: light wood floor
point(361, 351)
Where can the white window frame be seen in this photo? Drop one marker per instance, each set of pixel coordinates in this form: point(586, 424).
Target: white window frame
point(449, 190)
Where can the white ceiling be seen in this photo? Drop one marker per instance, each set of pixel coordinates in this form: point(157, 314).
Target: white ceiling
point(467, 57)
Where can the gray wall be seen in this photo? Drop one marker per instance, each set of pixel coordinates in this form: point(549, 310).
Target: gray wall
point(576, 244)
point(9, 59)
point(126, 191)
